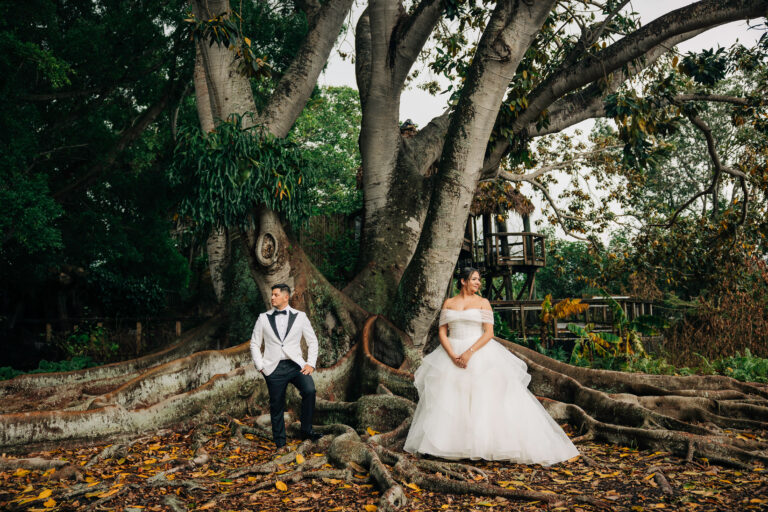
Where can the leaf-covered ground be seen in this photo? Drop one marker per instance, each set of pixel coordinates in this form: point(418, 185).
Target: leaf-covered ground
point(193, 470)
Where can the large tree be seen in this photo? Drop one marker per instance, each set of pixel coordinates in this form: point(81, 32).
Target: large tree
point(536, 68)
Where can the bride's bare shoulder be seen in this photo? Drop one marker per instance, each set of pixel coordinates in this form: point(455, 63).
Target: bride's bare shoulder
point(450, 303)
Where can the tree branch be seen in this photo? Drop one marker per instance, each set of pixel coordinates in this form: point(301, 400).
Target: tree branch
point(363, 56)
point(425, 147)
point(414, 32)
point(703, 14)
point(296, 85)
point(586, 104)
point(549, 168)
point(718, 98)
point(560, 215)
point(702, 126)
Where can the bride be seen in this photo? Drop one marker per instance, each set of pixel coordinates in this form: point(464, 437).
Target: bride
point(473, 396)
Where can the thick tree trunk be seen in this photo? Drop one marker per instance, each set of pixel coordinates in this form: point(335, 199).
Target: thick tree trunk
point(396, 189)
point(360, 355)
point(510, 32)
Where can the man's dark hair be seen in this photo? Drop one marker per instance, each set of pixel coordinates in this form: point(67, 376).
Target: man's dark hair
point(283, 288)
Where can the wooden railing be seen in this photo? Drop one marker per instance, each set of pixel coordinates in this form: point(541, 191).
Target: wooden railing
point(523, 316)
point(507, 249)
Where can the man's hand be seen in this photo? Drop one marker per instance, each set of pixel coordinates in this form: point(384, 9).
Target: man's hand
point(307, 370)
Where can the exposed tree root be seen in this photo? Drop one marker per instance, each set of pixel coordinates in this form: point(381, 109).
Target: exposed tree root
point(707, 386)
point(692, 417)
point(34, 463)
point(45, 391)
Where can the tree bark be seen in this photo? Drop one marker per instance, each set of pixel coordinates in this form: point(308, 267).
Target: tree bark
point(510, 32)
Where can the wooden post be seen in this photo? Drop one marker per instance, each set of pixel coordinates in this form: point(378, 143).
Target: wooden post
point(554, 330)
point(138, 338)
point(522, 320)
point(48, 333)
point(178, 328)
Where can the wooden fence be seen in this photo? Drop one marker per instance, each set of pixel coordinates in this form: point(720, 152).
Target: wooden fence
point(135, 334)
point(523, 316)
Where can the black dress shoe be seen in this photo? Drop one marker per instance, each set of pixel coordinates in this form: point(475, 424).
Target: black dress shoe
point(313, 435)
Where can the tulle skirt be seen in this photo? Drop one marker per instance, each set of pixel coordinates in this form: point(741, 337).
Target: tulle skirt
point(484, 411)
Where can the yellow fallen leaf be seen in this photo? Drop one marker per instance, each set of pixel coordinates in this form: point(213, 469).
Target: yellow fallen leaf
point(371, 508)
point(44, 494)
point(371, 432)
point(281, 485)
point(299, 458)
point(108, 493)
point(50, 503)
point(21, 472)
point(413, 486)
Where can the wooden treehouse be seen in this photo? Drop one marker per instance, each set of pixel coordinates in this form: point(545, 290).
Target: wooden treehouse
point(497, 252)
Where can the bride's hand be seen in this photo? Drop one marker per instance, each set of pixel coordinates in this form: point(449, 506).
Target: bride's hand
point(463, 359)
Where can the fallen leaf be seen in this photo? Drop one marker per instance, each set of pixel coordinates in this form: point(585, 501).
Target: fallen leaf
point(50, 503)
point(281, 485)
point(371, 432)
point(357, 467)
point(371, 508)
point(299, 458)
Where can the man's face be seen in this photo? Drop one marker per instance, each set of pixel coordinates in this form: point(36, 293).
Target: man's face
point(279, 298)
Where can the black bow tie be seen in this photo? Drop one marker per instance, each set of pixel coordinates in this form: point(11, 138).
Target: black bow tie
point(279, 312)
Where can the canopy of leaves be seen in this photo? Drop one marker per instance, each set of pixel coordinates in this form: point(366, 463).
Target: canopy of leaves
point(76, 79)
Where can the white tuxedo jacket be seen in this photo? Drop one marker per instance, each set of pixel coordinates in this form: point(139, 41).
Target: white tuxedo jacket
point(266, 331)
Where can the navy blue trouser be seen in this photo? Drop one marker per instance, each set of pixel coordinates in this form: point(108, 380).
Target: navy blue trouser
point(277, 382)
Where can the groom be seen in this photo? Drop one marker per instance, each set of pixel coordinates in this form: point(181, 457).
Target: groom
point(281, 330)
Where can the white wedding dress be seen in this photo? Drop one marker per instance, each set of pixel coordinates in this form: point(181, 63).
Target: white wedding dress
point(483, 411)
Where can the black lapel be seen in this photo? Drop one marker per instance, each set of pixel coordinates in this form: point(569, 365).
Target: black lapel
point(291, 318)
point(273, 324)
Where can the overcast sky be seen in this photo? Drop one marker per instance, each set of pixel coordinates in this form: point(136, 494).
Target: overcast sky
point(420, 106)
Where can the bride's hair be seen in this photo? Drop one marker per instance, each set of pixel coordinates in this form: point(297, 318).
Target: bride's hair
point(464, 274)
